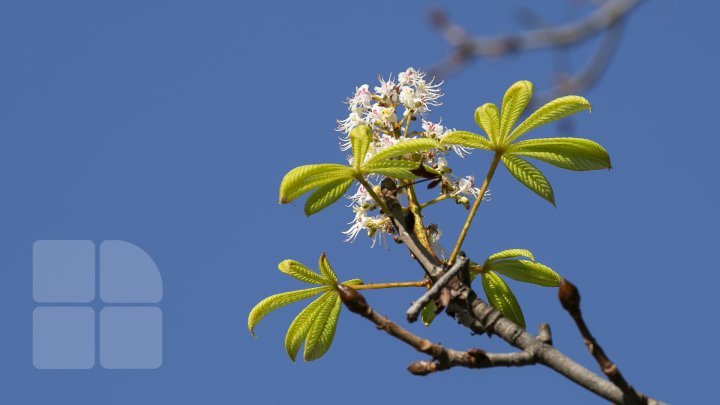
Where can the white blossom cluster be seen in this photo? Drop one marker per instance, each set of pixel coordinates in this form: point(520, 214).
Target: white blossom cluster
point(411, 94)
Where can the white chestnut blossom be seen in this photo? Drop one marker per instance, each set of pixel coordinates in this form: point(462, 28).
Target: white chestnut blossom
point(378, 109)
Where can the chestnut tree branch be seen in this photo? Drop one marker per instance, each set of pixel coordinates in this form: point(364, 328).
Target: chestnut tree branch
point(480, 317)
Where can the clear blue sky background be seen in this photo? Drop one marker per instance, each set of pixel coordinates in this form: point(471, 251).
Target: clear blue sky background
point(169, 124)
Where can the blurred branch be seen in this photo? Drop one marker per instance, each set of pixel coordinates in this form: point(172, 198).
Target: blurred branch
point(607, 19)
point(464, 306)
point(570, 299)
point(443, 358)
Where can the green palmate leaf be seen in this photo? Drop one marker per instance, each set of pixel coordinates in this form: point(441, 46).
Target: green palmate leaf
point(317, 181)
point(567, 153)
point(276, 301)
point(402, 148)
point(322, 330)
point(299, 271)
point(302, 323)
point(530, 176)
point(516, 99)
point(326, 195)
point(552, 111)
point(475, 270)
point(400, 169)
point(428, 313)
point(326, 270)
point(488, 118)
point(296, 178)
point(467, 139)
point(360, 137)
point(501, 298)
point(526, 271)
point(510, 253)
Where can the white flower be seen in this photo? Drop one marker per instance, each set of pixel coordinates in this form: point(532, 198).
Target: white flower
point(362, 98)
point(382, 116)
point(466, 186)
point(361, 197)
point(386, 90)
point(438, 131)
point(409, 76)
point(407, 97)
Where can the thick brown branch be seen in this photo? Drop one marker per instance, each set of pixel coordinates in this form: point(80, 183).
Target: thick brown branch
point(570, 299)
point(442, 358)
point(414, 311)
point(481, 317)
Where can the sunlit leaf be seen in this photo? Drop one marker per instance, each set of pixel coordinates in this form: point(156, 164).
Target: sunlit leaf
point(552, 111)
point(526, 271)
point(501, 298)
point(326, 270)
point(567, 153)
point(510, 253)
point(299, 271)
point(360, 137)
point(467, 139)
point(300, 326)
point(326, 195)
point(514, 102)
point(293, 184)
point(399, 169)
point(530, 176)
point(322, 331)
point(276, 301)
point(488, 118)
point(428, 313)
point(402, 148)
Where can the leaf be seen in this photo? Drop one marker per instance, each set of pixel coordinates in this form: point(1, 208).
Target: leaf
point(526, 271)
point(317, 181)
point(403, 148)
point(299, 271)
point(360, 137)
point(467, 139)
point(552, 111)
point(400, 169)
point(487, 118)
point(530, 176)
point(327, 271)
point(355, 281)
point(501, 298)
point(567, 153)
point(510, 253)
point(516, 99)
point(300, 326)
point(326, 195)
point(428, 313)
point(276, 301)
point(295, 178)
point(322, 331)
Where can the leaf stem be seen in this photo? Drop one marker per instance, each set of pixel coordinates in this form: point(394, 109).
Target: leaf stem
point(473, 210)
point(435, 200)
point(389, 285)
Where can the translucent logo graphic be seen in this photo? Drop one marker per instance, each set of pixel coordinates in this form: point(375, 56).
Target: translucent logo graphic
point(72, 325)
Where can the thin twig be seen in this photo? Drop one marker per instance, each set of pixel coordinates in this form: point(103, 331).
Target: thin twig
point(570, 299)
point(414, 311)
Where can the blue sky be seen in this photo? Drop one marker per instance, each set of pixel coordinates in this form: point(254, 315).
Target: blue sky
point(170, 124)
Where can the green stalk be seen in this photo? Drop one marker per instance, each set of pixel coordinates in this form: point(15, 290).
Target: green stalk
point(434, 200)
point(388, 285)
point(473, 210)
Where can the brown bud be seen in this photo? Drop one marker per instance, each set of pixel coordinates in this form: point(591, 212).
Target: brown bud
point(353, 300)
point(569, 296)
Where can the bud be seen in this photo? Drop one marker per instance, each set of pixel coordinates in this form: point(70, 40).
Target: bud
point(353, 300)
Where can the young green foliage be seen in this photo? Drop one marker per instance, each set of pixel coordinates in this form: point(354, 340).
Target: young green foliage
point(568, 153)
point(317, 322)
point(328, 182)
